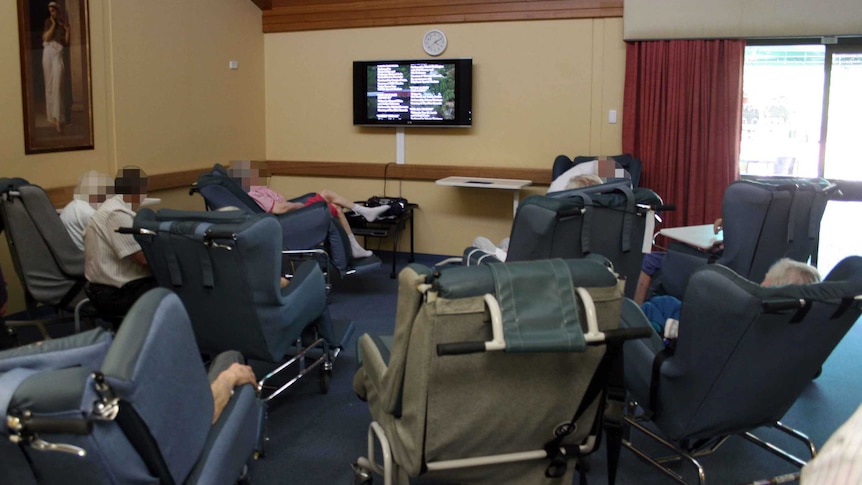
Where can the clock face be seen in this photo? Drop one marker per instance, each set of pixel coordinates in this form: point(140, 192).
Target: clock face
point(434, 42)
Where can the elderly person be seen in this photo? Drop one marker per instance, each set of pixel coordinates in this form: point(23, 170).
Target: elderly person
point(93, 188)
point(114, 264)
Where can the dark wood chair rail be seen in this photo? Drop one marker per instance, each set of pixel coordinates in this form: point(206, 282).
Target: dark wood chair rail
point(61, 195)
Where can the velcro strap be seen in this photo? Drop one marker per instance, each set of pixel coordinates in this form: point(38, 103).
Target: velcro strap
point(170, 256)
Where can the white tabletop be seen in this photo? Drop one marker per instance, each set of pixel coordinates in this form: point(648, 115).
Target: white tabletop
point(703, 236)
point(484, 183)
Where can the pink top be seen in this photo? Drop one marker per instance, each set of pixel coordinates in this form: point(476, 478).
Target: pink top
point(265, 197)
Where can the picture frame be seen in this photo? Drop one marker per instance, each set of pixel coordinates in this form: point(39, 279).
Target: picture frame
point(54, 39)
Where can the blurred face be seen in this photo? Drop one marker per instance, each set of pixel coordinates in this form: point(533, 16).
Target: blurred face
point(53, 10)
point(248, 173)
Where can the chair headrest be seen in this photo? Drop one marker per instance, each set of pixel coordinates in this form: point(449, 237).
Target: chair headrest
point(468, 281)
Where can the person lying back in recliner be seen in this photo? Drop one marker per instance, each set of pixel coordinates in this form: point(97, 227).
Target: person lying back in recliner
point(250, 174)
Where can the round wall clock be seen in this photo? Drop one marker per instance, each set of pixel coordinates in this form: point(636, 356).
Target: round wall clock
point(434, 42)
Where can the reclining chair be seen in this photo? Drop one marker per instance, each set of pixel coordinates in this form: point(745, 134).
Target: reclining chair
point(763, 222)
point(466, 400)
point(225, 267)
point(49, 265)
point(310, 230)
point(611, 220)
point(93, 409)
point(735, 368)
point(629, 163)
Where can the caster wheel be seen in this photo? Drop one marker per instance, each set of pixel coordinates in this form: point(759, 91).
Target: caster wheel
point(361, 476)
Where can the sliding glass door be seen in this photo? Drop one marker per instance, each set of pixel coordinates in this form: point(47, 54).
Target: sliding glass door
point(800, 111)
point(842, 155)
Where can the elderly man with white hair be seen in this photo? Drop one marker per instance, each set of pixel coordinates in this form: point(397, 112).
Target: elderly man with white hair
point(92, 189)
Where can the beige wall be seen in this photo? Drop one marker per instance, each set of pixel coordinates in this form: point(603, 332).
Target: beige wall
point(680, 19)
point(540, 89)
point(163, 96)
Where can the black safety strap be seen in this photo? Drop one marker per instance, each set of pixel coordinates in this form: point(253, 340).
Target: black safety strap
point(74, 291)
point(628, 218)
point(607, 382)
point(171, 260)
point(657, 361)
point(817, 210)
point(587, 224)
point(143, 442)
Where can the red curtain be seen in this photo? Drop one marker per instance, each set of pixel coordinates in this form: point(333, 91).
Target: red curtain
point(682, 112)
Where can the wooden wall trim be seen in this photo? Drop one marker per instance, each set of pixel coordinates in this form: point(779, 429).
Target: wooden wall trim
point(304, 15)
point(60, 196)
point(394, 171)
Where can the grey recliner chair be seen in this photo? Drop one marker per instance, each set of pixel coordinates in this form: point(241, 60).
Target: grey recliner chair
point(226, 269)
point(735, 367)
point(306, 231)
point(96, 409)
point(465, 400)
point(610, 220)
point(764, 221)
point(49, 265)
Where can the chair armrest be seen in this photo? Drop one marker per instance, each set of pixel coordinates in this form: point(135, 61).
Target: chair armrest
point(86, 349)
point(374, 367)
point(305, 227)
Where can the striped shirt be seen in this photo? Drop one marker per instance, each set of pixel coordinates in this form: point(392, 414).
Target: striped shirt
point(106, 252)
point(840, 460)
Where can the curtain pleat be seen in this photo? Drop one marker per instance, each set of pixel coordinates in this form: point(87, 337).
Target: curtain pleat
point(682, 112)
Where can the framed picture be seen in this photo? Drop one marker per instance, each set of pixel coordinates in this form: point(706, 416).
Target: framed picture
point(54, 39)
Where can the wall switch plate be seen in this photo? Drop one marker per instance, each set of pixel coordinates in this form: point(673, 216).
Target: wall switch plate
point(612, 116)
point(234, 65)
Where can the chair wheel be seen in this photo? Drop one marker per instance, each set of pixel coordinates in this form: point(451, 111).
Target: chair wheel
point(361, 476)
point(325, 378)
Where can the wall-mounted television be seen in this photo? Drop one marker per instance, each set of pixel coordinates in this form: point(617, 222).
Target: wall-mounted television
point(426, 92)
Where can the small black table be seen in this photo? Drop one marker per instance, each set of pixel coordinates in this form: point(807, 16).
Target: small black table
point(385, 227)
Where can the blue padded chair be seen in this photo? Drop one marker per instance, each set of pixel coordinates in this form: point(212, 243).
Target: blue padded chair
point(626, 161)
point(309, 229)
point(810, 196)
point(610, 220)
point(764, 221)
point(735, 367)
point(49, 265)
point(455, 391)
point(226, 268)
point(89, 409)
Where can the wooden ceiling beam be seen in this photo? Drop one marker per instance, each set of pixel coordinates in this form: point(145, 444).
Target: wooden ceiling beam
point(263, 4)
point(304, 15)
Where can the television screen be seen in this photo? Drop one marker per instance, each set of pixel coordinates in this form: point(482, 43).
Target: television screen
point(429, 92)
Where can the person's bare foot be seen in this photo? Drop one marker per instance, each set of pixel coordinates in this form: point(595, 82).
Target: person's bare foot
point(57, 125)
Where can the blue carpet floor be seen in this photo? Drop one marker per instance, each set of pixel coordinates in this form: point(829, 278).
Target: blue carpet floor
point(315, 437)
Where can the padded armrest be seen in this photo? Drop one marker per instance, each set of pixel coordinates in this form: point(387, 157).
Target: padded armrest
point(305, 227)
point(216, 217)
point(57, 393)
point(85, 349)
point(374, 367)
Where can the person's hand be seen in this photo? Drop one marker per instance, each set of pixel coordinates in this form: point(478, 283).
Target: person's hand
point(237, 375)
point(222, 387)
point(717, 225)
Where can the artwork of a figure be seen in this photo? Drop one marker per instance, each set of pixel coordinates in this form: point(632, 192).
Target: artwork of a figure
point(55, 38)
